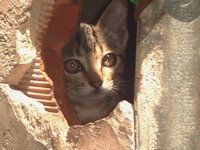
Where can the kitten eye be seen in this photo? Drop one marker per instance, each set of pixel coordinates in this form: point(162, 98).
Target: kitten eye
point(109, 60)
point(72, 66)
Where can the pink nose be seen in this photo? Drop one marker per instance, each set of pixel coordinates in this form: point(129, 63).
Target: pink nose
point(96, 85)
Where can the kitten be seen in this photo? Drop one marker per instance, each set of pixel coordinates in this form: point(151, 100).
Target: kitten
point(94, 63)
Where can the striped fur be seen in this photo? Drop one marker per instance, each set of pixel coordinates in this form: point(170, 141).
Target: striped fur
point(89, 46)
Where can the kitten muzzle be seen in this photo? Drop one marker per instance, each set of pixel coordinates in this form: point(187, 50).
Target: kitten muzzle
point(96, 85)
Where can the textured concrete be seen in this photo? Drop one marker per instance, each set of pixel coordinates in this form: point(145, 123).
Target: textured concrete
point(25, 123)
point(21, 124)
point(16, 49)
point(167, 87)
point(114, 132)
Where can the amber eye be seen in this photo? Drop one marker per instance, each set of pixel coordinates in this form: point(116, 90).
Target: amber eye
point(72, 66)
point(109, 60)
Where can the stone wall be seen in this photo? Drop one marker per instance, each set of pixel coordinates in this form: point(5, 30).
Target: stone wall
point(25, 123)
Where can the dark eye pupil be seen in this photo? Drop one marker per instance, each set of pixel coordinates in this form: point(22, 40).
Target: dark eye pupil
point(72, 66)
point(109, 60)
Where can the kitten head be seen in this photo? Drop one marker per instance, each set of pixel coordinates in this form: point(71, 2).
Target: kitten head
point(94, 59)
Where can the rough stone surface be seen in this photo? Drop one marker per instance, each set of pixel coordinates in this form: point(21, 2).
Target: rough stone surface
point(114, 132)
point(25, 123)
point(13, 134)
point(16, 49)
point(167, 70)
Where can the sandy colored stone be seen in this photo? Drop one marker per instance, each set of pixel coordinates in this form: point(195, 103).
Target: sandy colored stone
point(16, 48)
point(114, 132)
point(167, 75)
point(28, 124)
point(25, 123)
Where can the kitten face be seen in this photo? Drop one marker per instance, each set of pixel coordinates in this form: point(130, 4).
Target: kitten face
point(93, 69)
point(94, 65)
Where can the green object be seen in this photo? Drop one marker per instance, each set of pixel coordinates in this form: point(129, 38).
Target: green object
point(134, 1)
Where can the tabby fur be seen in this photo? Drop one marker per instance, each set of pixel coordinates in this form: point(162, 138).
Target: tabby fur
point(94, 89)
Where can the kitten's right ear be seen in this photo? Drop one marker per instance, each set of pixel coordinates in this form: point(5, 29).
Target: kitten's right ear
point(114, 17)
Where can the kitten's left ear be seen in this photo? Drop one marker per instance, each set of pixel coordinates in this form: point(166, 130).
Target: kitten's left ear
point(114, 18)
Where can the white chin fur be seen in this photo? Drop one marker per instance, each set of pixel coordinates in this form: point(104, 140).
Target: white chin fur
point(107, 85)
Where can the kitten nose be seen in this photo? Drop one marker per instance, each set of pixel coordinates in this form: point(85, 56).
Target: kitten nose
point(96, 85)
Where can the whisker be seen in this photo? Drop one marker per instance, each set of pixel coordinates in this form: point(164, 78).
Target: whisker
point(114, 93)
point(120, 91)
